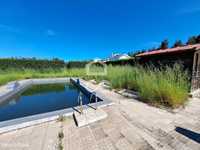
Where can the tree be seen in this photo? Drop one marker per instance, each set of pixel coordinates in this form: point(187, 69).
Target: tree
point(164, 44)
point(133, 54)
point(198, 39)
point(152, 49)
point(191, 40)
point(178, 43)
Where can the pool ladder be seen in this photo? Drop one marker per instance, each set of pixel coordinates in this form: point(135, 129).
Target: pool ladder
point(80, 101)
point(93, 94)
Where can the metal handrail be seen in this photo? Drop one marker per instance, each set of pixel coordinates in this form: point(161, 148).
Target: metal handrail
point(91, 96)
point(96, 98)
point(80, 102)
point(93, 93)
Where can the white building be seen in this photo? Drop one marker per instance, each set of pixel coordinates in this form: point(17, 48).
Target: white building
point(97, 60)
point(116, 57)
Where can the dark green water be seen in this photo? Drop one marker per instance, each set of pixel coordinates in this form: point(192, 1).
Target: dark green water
point(41, 99)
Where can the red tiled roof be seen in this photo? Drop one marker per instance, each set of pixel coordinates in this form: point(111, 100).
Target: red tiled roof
point(170, 50)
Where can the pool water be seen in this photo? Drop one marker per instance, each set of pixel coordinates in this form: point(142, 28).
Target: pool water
point(41, 99)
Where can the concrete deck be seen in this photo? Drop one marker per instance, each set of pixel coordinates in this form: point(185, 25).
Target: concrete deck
point(130, 125)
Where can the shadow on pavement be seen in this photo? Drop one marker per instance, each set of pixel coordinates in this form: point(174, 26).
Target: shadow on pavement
point(189, 134)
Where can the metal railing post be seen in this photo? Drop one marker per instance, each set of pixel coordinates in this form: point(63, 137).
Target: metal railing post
point(96, 99)
point(81, 105)
point(80, 102)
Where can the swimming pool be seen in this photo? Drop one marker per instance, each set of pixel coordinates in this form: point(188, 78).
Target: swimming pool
point(38, 99)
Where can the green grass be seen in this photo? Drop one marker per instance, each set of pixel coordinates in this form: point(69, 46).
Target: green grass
point(167, 86)
point(17, 74)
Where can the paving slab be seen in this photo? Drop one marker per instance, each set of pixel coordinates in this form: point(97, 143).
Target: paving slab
point(89, 116)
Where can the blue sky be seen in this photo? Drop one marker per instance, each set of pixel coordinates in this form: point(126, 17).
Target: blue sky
point(86, 29)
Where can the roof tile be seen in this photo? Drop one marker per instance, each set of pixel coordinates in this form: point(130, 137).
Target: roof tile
point(170, 50)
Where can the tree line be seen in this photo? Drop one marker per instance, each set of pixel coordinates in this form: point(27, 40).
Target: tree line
point(165, 44)
point(38, 64)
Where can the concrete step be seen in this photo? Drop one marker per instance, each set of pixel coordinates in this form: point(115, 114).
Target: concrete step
point(89, 116)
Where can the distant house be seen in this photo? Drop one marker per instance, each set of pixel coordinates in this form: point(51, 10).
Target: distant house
point(97, 60)
point(116, 57)
point(188, 55)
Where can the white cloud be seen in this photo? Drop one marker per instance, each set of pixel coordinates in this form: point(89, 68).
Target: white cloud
point(50, 32)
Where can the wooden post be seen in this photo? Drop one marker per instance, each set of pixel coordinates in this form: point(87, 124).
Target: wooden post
point(196, 71)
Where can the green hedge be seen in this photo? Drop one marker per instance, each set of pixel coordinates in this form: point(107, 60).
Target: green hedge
point(77, 64)
point(6, 63)
point(33, 63)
